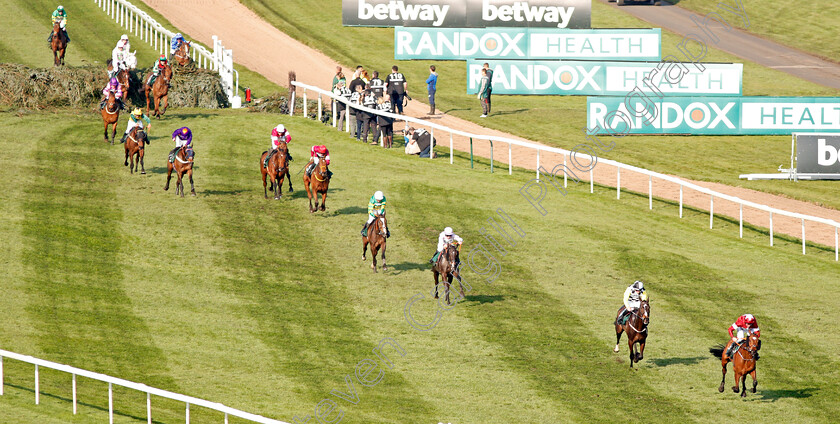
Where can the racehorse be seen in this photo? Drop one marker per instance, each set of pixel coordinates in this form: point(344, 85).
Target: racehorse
point(636, 329)
point(376, 237)
point(160, 92)
point(743, 362)
point(318, 184)
point(278, 168)
point(182, 55)
point(58, 43)
point(124, 79)
point(446, 266)
point(110, 115)
point(135, 145)
point(183, 164)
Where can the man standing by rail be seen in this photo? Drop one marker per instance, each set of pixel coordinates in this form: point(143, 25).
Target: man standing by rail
point(431, 85)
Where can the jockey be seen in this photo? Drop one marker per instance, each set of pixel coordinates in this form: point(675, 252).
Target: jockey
point(136, 119)
point(315, 153)
point(446, 237)
point(182, 138)
point(278, 134)
point(177, 40)
point(740, 330)
point(60, 15)
point(124, 43)
point(159, 66)
point(376, 208)
point(113, 86)
point(633, 297)
point(118, 57)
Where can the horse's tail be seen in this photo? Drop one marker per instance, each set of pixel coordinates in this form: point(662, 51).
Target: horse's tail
point(717, 351)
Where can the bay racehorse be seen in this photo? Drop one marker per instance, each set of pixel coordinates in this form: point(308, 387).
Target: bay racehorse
point(124, 78)
point(377, 233)
point(317, 184)
point(159, 94)
point(110, 115)
point(278, 168)
point(636, 329)
point(743, 361)
point(58, 44)
point(135, 147)
point(183, 164)
point(447, 266)
point(182, 55)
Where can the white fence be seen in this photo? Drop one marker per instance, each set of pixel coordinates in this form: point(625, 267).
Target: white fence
point(142, 25)
point(188, 400)
point(565, 153)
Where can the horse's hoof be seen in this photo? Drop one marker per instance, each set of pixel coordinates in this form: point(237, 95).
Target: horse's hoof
point(290, 190)
point(385, 268)
point(734, 389)
point(125, 164)
point(436, 296)
point(720, 389)
point(143, 172)
point(616, 349)
point(363, 258)
point(192, 193)
point(753, 389)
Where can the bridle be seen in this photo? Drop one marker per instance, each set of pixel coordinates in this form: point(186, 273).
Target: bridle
point(108, 106)
point(644, 317)
point(183, 149)
point(131, 137)
point(183, 51)
point(321, 169)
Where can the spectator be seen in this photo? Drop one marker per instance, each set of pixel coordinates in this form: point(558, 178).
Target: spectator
point(369, 118)
point(357, 98)
point(419, 141)
point(341, 90)
point(365, 77)
point(431, 84)
point(357, 79)
point(489, 85)
point(338, 76)
point(386, 124)
point(377, 85)
point(396, 87)
point(484, 93)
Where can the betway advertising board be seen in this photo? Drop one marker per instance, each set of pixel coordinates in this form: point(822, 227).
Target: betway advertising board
point(529, 43)
point(603, 78)
point(467, 13)
point(715, 115)
point(818, 153)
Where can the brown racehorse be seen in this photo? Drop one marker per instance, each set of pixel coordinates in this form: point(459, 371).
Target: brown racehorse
point(183, 165)
point(446, 266)
point(124, 79)
point(376, 237)
point(110, 115)
point(160, 92)
point(182, 55)
point(135, 146)
point(58, 44)
point(636, 329)
point(278, 167)
point(318, 184)
point(743, 362)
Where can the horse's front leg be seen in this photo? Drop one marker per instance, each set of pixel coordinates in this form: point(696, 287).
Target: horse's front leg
point(641, 354)
point(744, 385)
point(113, 133)
point(373, 253)
point(142, 164)
point(131, 162)
point(437, 275)
point(384, 266)
point(165, 103)
point(289, 176)
point(755, 380)
point(738, 376)
point(168, 176)
point(447, 281)
point(324, 201)
point(192, 186)
point(632, 350)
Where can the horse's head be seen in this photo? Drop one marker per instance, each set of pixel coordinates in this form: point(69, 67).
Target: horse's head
point(450, 253)
point(754, 343)
point(58, 26)
point(384, 222)
point(322, 166)
point(644, 311)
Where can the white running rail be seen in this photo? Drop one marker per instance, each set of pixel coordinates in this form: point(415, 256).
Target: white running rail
point(139, 23)
point(539, 148)
point(188, 400)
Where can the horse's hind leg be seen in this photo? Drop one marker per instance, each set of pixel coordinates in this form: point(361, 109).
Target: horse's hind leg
point(723, 378)
point(437, 275)
point(126, 154)
point(324, 201)
point(755, 380)
point(373, 253)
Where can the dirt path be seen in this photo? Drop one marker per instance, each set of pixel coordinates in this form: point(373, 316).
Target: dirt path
point(257, 45)
point(741, 43)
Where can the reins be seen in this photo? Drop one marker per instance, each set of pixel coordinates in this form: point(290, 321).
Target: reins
point(629, 321)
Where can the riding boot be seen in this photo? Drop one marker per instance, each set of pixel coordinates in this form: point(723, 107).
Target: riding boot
point(102, 104)
point(309, 169)
point(66, 36)
point(329, 174)
point(364, 230)
point(289, 155)
point(124, 137)
point(172, 155)
point(387, 233)
point(267, 158)
point(434, 258)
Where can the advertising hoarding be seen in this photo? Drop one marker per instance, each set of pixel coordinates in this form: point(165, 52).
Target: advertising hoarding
point(818, 153)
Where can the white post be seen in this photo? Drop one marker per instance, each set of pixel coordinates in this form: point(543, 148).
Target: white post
point(320, 109)
point(149, 407)
point(74, 394)
point(335, 112)
point(451, 147)
point(711, 211)
point(681, 199)
point(347, 117)
point(618, 183)
point(226, 418)
point(650, 192)
point(741, 221)
point(304, 103)
point(1, 366)
point(591, 180)
point(110, 403)
point(510, 159)
point(803, 236)
point(188, 412)
point(37, 387)
point(292, 104)
point(771, 228)
point(432, 145)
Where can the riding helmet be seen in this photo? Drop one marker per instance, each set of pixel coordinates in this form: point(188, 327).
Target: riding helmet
point(639, 285)
point(448, 231)
point(137, 112)
point(378, 195)
point(280, 128)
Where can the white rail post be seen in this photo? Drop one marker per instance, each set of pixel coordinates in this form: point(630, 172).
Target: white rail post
point(226, 418)
point(304, 103)
point(37, 387)
point(803, 236)
point(510, 159)
point(591, 180)
point(335, 112)
point(320, 109)
point(292, 104)
point(431, 145)
point(188, 413)
point(680, 200)
point(1, 368)
point(771, 228)
point(650, 192)
point(110, 403)
point(347, 117)
point(451, 152)
point(618, 183)
point(149, 407)
point(74, 394)
point(711, 211)
point(741, 221)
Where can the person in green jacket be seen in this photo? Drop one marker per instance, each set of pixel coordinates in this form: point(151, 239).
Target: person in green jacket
point(484, 93)
point(376, 208)
point(57, 16)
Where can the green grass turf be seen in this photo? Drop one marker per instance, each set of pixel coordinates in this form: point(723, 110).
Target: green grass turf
point(93, 35)
point(804, 25)
point(265, 307)
point(559, 121)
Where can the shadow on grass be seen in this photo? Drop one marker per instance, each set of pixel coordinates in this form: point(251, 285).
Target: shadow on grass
point(221, 192)
point(351, 210)
point(408, 266)
point(98, 408)
point(509, 112)
point(774, 395)
point(481, 299)
point(664, 362)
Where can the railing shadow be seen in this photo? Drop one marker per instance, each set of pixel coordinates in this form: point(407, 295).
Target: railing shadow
point(774, 395)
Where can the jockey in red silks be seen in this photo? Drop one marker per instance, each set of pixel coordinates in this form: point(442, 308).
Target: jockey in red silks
point(278, 134)
point(315, 153)
point(745, 326)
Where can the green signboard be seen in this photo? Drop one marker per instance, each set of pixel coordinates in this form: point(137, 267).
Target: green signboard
point(713, 115)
